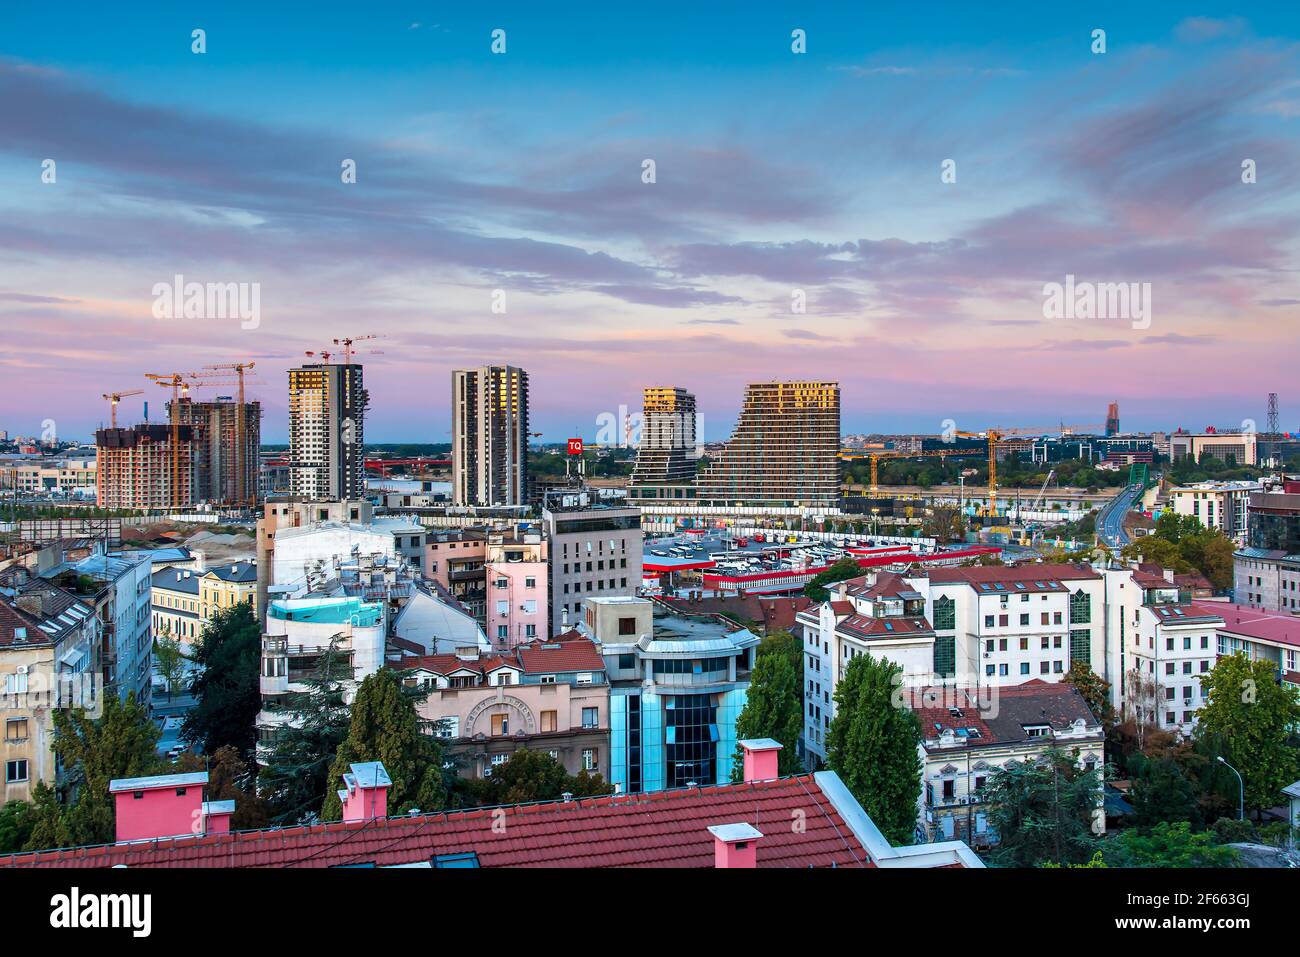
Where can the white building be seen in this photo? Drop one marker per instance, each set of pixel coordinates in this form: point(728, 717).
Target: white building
point(431, 622)
point(1223, 506)
point(1239, 447)
point(125, 613)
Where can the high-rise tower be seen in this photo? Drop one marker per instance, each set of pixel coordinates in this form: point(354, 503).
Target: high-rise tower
point(327, 407)
point(489, 436)
point(666, 453)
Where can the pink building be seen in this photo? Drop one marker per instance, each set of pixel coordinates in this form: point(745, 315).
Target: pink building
point(455, 560)
point(167, 805)
point(516, 576)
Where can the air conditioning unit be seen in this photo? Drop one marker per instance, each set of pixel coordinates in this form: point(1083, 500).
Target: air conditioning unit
point(22, 669)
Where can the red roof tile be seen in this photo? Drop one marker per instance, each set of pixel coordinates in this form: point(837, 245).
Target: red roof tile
point(564, 656)
point(661, 829)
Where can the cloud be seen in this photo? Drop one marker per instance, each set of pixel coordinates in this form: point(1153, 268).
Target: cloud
point(1200, 29)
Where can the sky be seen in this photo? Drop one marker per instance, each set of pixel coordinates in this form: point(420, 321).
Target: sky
point(918, 176)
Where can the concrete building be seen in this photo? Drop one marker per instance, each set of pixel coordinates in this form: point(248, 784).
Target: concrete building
point(432, 622)
point(50, 642)
point(298, 632)
point(1221, 506)
point(970, 733)
point(327, 410)
point(313, 554)
point(1238, 447)
point(666, 455)
point(489, 436)
point(516, 574)
point(1259, 636)
point(547, 696)
point(1159, 643)
point(594, 550)
point(677, 685)
point(784, 450)
point(70, 476)
point(135, 465)
point(1266, 572)
point(122, 604)
point(457, 561)
point(227, 442)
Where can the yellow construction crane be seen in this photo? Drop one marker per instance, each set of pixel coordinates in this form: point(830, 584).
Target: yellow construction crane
point(994, 436)
point(113, 399)
point(875, 457)
point(180, 388)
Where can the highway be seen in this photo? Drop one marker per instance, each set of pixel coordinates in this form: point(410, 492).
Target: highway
point(1110, 520)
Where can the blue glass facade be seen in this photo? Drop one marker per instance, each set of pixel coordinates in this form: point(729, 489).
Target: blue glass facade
point(662, 741)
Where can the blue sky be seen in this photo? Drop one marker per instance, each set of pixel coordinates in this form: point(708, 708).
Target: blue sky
point(775, 172)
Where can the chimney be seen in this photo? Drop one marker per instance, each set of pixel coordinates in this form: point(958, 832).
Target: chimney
point(1169, 575)
point(163, 805)
point(365, 792)
point(733, 845)
point(760, 759)
point(200, 561)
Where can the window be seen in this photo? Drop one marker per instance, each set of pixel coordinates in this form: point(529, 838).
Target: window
point(1080, 608)
point(589, 759)
point(584, 678)
point(1024, 667)
point(548, 721)
point(590, 717)
point(530, 582)
point(16, 729)
point(1024, 619)
point(945, 614)
point(1046, 617)
point(16, 684)
point(1079, 646)
point(988, 621)
point(1002, 621)
point(500, 725)
point(945, 656)
point(627, 626)
point(949, 789)
point(1024, 644)
point(16, 771)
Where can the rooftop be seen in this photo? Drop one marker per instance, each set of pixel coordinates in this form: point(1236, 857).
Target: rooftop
point(1001, 718)
point(328, 611)
point(1254, 623)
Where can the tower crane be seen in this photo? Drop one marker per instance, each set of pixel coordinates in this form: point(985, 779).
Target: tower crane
point(180, 389)
point(347, 346)
point(114, 398)
point(994, 436)
point(239, 368)
point(875, 457)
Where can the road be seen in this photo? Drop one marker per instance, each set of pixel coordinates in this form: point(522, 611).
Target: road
point(1110, 520)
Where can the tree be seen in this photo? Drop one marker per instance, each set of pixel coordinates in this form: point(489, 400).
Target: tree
point(1043, 811)
point(1163, 792)
point(872, 745)
point(1168, 844)
point(50, 827)
point(315, 723)
point(1094, 689)
point(229, 779)
point(228, 698)
point(17, 819)
point(385, 727)
point(536, 776)
point(1252, 715)
point(121, 743)
point(773, 709)
point(170, 658)
point(842, 570)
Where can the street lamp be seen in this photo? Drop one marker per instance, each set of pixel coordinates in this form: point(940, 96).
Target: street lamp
point(1241, 789)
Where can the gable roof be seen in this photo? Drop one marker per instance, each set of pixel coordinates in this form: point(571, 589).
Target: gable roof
point(1018, 578)
point(1003, 719)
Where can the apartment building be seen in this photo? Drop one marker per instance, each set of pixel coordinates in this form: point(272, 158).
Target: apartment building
point(183, 600)
point(489, 444)
point(298, 632)
point(73, 475)
point(1160, 642)
point(327, 411)
point(50, 641)
point(1222, 506)
point(883, 616)
point(1266, 571)
point(666, 454)
point(595, 551)
point(516, 576)
point(549, 696)
point(457, 560)
point(227, 444)
point(784, 450)
point(1258, 635)
point(134, 468)
point(313, 554)
point(968, 734)
point(121, 585)
point(678, 683)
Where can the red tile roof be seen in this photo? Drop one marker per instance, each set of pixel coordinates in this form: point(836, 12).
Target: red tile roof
point(661, 829)
point(865, 626)
point(551, 657)
point(1027, 575)
point(1253, 622)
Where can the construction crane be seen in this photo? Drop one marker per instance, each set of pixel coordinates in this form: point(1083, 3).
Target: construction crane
point(113, 399)
point(324, 356)
point(180, 388)
point(875, 457)
point(347, 346)
point(239, 368)
point(994, 436)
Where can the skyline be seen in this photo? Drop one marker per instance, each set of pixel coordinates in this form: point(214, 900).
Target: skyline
point(775, 172)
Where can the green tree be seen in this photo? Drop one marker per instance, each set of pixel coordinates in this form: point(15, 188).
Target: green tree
point(228, 698)
point(385, 727)
point(1168, 844)
point(229, 779)
point(773, 709)
point(536, 776)
point(170, 659)
point(17, 819)
point(842, 570)
point(1252, 716)
point(1163, 792)
point(50, 828)
point(872, 745)
point(316, 721)
point(121, 743)
point(1094, 689)
point(1043, 811)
